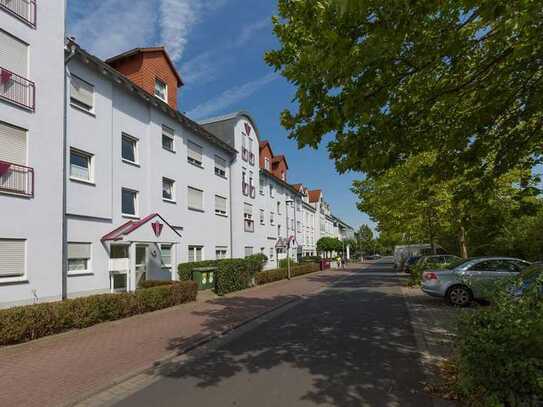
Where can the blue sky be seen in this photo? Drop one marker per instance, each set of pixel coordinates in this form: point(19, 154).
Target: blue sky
point(218, 47)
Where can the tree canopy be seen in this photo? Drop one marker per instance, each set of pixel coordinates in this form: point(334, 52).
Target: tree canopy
point(394, 79)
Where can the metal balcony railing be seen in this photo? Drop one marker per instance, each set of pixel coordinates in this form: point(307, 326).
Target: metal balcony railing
point(17, 89)
point(16, 179)
point(23, 9)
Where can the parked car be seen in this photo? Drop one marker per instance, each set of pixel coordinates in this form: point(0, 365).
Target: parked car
point(373, 257)
point(466, 281)
point(410, 263)
point(441, 261)
point(529, 277)
point(402, 253)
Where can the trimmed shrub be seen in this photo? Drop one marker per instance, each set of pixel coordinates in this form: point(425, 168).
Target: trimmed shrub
point(21, 324)
point(283, 263)
point(499, 359)
point(269, 276)
point(154, 283)
point(184, 270)
point(311, 259)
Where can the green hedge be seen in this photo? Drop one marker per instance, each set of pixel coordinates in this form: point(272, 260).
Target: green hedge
point(499, 359)
point(154, 283)
point(21, 324)
point(231, 275)
point(269, 276)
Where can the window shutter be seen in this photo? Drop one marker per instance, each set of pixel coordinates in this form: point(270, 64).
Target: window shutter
point(12, 258)
point(79, 250)
point(12, 144)
point(220, 203)
point(82, 91)
point(167, 131)
point(195, 151)
point(13, 54)
point(195, 198)
point(220, 163)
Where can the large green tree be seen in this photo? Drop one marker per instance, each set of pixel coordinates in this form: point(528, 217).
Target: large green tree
point(394, 78)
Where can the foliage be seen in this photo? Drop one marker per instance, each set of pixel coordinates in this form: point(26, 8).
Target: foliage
point(459, 78)
point(329, 244)
point(283, 263)
point(506, 340)
point(154, 283)
point(269, 276)
point(25, 323)
point(311, 259)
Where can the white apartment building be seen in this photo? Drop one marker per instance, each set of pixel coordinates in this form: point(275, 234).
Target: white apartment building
point(31, 145)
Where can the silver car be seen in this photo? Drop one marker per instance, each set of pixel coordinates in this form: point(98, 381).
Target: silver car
point(467, 280)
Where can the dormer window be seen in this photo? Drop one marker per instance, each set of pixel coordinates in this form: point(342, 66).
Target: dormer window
point(267, 163)
point(161, 90)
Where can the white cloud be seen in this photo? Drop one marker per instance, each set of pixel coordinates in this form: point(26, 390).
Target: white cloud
point(250, 30)
point(112, 28)
point(201, 69)
point(230, 97)
point(178, 17)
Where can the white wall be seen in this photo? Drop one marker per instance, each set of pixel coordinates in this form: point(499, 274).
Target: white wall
point(38, 219)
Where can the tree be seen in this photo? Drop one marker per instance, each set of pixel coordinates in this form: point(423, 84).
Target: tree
point(393, 79)
point(329, 244)
point(364, 239)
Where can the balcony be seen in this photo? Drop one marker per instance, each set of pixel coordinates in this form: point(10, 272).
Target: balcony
point(24, 10)
point(16, 89)
point(121, 265)
point(16, 179)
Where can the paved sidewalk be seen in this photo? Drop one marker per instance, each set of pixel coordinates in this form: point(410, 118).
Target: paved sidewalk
point(62, 369)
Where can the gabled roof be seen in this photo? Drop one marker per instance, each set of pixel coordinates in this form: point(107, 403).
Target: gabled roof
point(265, 143)
point(135, 51)
point(314, 195)
point(128, 227)
point(278, 158)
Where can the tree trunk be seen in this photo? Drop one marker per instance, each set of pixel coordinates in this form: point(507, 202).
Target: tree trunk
point(462, 242)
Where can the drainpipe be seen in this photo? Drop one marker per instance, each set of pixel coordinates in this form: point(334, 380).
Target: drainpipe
point(231, 211)
point(64, 283)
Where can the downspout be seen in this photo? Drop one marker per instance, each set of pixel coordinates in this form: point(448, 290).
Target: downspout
point(231, 211)
point(64, 285)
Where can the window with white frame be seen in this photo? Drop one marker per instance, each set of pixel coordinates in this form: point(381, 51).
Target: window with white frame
point(272, 254)
point(220, 205)
point(166, 256)
point(221, 252)
point(262, 220)
point(272, 220)
point(271, 191)
point(79, 255)
point(249, 223)
point(168, 189)
point(13, 142)
point(12, 258)
point(195, 153)
point(129, 202)
point(161, 90)
point(129, 149)
point(299, 225)
point(195, 199)
point(220, 166)
point(81, 94)
point(244, 184)
point(267, 163)
point(252, 189)
point(248, 251)
point(278, 230)
point(261, 185)
point(195, 253)
point(80, 165)
point(278, 208)
point(168, 139)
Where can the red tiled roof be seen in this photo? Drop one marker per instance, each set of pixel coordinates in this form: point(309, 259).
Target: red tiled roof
point(279, 158)
point(314, 195)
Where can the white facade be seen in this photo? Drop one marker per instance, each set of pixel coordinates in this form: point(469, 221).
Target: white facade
point(31, 139)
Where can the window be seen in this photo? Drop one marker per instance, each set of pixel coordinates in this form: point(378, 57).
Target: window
point(261, 185)
point(166, 256)
point(279, 208)
point(272, 253)
point(271, 218)
point(80, 165)
point(129, 149)
point(168, 139)
point(244, 184)
point(194, 153)
point(220, 166)
point(81, 94)
point(161, 90)
point(195, 253)
point(249, 224)
point(267, 163)
point(129, 202)
point(262, 220)
point(79, 255)
point(271, 191)
point(299, 225)
point(195, 199)
point(220, 205)
point(168, 189)
point(12, 258)
point(283, 176)
point(248, 251)
point(14, 56)
point(278, 230)
point(12, 144)
point(221, 252)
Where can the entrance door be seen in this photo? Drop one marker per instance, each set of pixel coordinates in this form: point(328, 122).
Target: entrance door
point(141, 264)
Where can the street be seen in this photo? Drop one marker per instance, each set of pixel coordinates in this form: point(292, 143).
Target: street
point(351, 344)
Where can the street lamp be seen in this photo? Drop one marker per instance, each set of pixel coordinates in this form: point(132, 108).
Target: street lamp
point(287, 202)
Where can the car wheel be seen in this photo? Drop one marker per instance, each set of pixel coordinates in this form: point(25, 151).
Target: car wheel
point(459, 296)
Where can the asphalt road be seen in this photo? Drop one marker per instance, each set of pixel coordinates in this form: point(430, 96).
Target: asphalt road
point(350, 345)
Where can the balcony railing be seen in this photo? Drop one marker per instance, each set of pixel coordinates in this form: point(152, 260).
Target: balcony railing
point(22, 9)
point(17, 89)
point(16, 179)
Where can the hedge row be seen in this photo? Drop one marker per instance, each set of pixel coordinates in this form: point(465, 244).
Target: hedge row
point(231, 275)
point(25, 323)
point(269, 276)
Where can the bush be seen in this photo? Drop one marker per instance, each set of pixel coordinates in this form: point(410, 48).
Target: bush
point(311, 259)
point(499, 359)
point(21, 324)
point(283, 263)
point(269, 276)
point(154, 283)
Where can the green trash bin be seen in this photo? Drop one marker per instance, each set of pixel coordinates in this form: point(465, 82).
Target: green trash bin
point(204, 277)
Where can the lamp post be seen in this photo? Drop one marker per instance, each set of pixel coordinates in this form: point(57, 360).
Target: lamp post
point(287, 202)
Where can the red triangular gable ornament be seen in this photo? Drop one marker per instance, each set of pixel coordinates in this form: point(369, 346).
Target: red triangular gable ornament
point(247, 129)
point(157, 228)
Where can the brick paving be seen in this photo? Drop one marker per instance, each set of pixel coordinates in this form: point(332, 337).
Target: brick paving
point(61, 369)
